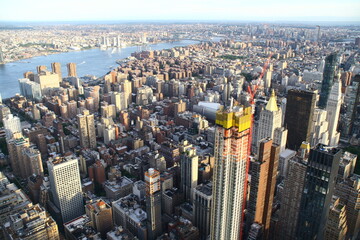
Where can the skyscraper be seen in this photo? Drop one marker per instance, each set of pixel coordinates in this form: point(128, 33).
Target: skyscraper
point(299, 116)
point(291, 197)
point(348, 191)
point(65, 185)
point(71, 67)
point(202, 208)
point(319, 185)
point(153, 203)
point(262, 188)
point(15, 146)
point(30, 89)
point(87, 130)
point(333, 112)
point(231, 150)
point(270, 124)
point(56, 68)
point(331, 62)
point(189, 164)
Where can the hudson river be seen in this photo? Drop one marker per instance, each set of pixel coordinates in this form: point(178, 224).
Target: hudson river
point(89, 62)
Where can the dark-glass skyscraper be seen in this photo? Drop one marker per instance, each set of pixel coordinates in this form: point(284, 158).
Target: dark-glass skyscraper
point(299, 117)
point(331, 62)
point(322, 168)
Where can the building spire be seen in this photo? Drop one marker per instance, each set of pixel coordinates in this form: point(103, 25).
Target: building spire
point(272, 105)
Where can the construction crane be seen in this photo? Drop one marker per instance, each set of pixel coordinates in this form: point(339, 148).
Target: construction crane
point(252, 93)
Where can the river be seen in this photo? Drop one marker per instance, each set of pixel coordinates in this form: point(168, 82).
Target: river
point(89, 62)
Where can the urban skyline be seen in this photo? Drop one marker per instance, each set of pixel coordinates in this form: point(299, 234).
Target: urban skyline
point(221, 124)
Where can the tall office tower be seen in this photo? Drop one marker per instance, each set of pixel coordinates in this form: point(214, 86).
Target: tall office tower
point(319, 131)
point(71, 67)
point(11, 125)
point(291, 198)
point(349, 193)
point(299, 117)
point(269, 121)
point(153, 203)
point(41, 68)
point(30, 89)
point(333, 112)
point(202, 208)
point(15, 146)
point(87, 130)
point(231, 150)
point(65, 186)
point(263, 180)
point(331, 62)
point(336, 224)
point(189, 165)
point(56, 68)
point(319, 185)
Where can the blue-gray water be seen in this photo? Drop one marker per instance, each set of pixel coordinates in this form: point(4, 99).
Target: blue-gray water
point(93, 62)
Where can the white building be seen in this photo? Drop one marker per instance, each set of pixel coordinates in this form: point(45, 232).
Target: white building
point(11, 125)
point(319, 132)
point(65, 185)
point(333, 112)
point(270, 125)
point(30, 89)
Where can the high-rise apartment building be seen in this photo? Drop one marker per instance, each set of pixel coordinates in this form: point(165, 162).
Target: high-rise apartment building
point(231, 150)
point(299, 117)
point(333, 112)
point(349, 193)
point(30, 89)
point(336, 224)
point(65, 185)
point(56, 68)
point(71, 67)
point(153, 203)
point(262, 188)
point(331, 62)
point(189, 165)
point(11, 125)
point(202, 208)
point(47, 81)
point(319, 185)
point(32, 162)
point(87, 130)
point(291, 198)
point(15, 147)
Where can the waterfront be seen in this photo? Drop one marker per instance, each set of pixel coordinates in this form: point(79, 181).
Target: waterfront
point(89, 62)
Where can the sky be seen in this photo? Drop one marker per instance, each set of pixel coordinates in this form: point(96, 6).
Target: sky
point(132, 10)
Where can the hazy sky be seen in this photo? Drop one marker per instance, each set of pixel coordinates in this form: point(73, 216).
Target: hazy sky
point(69, 10)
